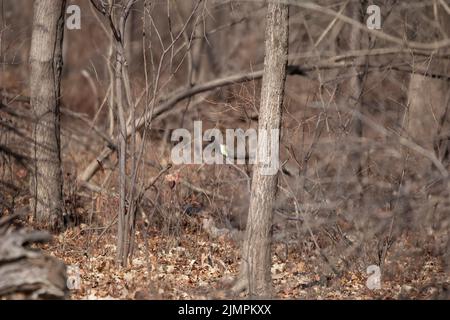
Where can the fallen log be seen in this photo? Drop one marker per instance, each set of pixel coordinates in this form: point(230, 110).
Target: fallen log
point(27, 273)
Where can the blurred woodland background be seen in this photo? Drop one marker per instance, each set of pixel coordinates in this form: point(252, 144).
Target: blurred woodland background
point(364, 147)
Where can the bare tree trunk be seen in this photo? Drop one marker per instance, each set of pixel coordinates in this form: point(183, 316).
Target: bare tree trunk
point(356, 82)
point(126, 217)
point(356, 87)
point(427, 105)
point(428, 102)
point(122, 151)
point(133, 46)
point(256, 252)
point(45, 77)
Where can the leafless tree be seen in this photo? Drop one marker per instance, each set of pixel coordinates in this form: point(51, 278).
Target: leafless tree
point(45, 77)
point(256, 252)
point(368, 109)
point(356, 81)
point(123, 102)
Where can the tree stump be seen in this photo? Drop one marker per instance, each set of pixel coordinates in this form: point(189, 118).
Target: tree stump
point(26, 273)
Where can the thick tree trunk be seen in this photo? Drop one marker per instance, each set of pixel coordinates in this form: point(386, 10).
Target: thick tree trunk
point(428, 119)
point(45, 76)
point(427, 105)
point(256, 251)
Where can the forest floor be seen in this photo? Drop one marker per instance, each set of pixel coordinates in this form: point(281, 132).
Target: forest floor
point(194, 266)
point(176, 258)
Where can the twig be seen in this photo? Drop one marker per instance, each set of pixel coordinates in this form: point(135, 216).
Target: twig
point(200, 190)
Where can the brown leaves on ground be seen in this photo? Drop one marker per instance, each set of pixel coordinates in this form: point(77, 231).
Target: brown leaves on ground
point(193, 266)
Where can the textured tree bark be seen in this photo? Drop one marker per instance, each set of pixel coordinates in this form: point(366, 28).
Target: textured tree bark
point(27, 273)
point(45, 77)
point(256, 252)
